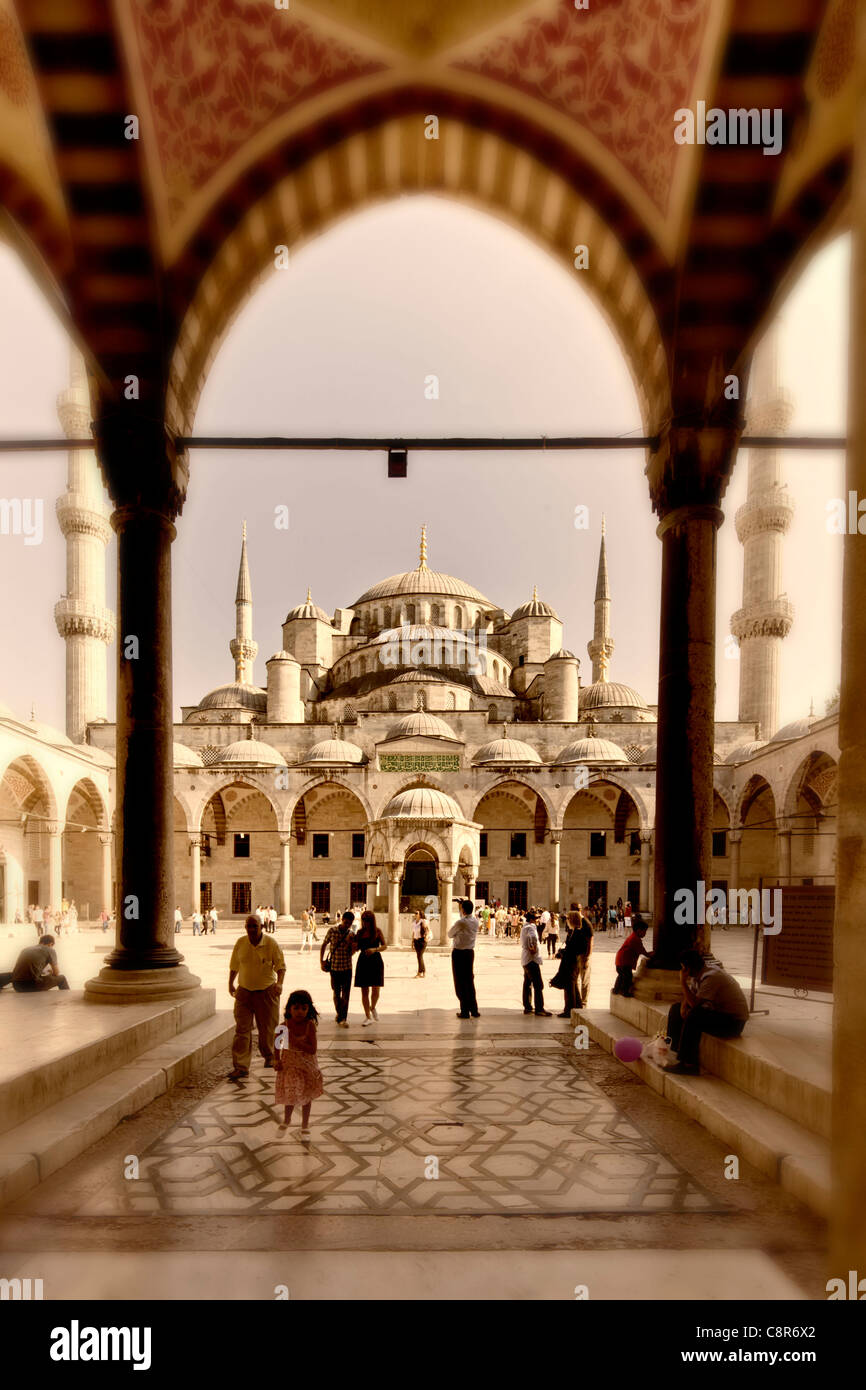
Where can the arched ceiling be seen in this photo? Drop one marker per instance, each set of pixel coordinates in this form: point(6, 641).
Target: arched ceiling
point(238, 100)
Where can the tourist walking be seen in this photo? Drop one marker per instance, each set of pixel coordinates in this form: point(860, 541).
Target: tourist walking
point(103, 920)
point(462, 935)
point(213, 921)
point(197, 923)
point(712, 1003)
point(298, 1079)
point(370, 968)
point(272, 918)
point(257, 964)
point(530, 950)
point(420, 934)
point(35, 970)
point(178, 920)
point(306, 932)
point(628, 919)
point(335, 956)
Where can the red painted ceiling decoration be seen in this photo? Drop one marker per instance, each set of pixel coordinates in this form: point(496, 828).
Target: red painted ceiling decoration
point(218, 73)
point(621, 68)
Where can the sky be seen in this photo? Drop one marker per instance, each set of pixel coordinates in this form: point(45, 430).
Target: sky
point(342, 342)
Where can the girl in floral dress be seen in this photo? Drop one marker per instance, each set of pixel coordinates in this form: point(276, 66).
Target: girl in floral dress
point(299, 1080)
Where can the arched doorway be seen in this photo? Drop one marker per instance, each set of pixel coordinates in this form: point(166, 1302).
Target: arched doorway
point(419, 887)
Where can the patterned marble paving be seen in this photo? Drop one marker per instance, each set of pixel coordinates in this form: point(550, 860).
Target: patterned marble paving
point(508, 1131)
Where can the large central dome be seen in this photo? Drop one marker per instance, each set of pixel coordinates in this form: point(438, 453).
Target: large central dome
point(421, 581)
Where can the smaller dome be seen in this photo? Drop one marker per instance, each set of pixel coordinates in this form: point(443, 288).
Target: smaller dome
point(282, 656)
point(186, 757)
point(562, 655)
point(422, 803)
point(745, 750)
point(252, 753)
point(335, 750)
point(237, 695)
point(535, 608)
point(506, 750)
point(592, 750)
point(308, 609)
point(796, 729)
point(421, 725)
point(610, 695)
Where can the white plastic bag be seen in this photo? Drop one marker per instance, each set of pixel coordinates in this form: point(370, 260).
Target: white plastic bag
point(657, 1050)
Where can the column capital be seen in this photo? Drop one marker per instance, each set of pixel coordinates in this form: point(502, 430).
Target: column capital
point(394, 871)
point(54, 827)
point(105, 837)
point(693, 461)
point(646, 837)
point(139, 460)
point(285, 839)
point(196, 841)
point(445, 873)
point(735, 836)
point(556, 837)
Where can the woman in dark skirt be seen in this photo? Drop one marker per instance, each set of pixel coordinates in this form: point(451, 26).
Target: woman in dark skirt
point(370, 970)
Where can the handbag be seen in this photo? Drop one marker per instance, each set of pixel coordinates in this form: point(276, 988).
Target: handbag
point(556, 981)
point(657, 1050)
point(325, 961)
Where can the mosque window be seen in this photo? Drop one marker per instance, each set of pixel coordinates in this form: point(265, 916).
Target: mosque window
point(458, 616)
point(634, 842)
point(598, 844)
point(482, 844)
point(321, 896)
point(482, 891)
point(358, 894)
point(410, 613)
point(242, 846)
point(386, 617)
point(517, 848)
point(358, 838)
point(436, 615)
point(321, 846)
point(242, 899)
point(720, 844)
point(517, 894)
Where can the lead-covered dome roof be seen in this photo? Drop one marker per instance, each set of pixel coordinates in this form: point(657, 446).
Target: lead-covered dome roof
point(592, 750)
point(420, 725)
point(506, 750)
point(610, 695)
point(335, 750)
point(422, 803)
point(252, 753)
point(236, 695)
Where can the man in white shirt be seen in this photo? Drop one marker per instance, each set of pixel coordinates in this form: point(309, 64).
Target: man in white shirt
point(213, 921)
point(529, 953)
point(178, 919)
point(463, 934)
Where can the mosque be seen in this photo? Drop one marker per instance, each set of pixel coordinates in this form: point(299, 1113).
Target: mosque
point(420, 743)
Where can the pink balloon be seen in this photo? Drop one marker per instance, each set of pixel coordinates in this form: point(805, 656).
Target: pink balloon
point(628, 1049)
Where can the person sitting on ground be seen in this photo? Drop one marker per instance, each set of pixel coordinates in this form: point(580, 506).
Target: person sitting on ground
point(712, 1003)
point(628, 956)
point(36, 969)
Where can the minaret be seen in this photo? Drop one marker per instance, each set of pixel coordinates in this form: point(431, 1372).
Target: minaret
point(82, 619)
point(422, 563)
point(242, 646)
point(766, 616)
point(600, 649)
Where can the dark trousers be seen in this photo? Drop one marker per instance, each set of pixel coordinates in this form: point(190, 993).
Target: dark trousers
point(341, 984)
point(552, 942)
point(463, 970)
point(35, 986)
point(532, 981)
point(685, 1033)
point(420, 947)
point(624, 980)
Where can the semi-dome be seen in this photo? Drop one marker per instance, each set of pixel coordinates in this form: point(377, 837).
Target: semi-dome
point(282, 656)
point(506, 750)
point(308, 609)
point(592, 750)
point(610, 695)
point(796, 729)
point(535, 608)
point(186, 757)
point(236, 695)
point(562, 655)
point(745, 750)
point(420, 725)
point(252, 753)
point(413, 677)
point(423, 803)
point(335, 750)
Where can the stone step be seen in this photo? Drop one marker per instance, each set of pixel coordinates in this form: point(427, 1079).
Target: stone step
point(64, 1043)
point(779, 1066)
point(796, 1158)
point(37, 1148)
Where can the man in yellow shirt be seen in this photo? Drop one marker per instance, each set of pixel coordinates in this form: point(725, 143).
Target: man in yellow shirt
point(257, 964)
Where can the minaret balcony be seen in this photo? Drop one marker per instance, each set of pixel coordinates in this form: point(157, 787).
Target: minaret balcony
point(79, 514)
point(76, 617)
point(770, 509)
point(770, 618)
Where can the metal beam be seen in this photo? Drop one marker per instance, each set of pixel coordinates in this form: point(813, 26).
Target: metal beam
point(457, 445)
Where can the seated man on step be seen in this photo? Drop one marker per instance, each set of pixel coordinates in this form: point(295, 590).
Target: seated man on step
point(36, 969)
point(712, 1003)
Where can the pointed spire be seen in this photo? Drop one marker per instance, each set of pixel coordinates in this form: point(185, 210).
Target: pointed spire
point(602, 588)
point(309, 598)
point(244, 590)
point(423, 561)
point(535, 593)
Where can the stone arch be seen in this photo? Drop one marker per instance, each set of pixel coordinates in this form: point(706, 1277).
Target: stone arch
point(756, 816)
point(643, 806)
point(42, 784)
point(314, 784)
point(502, 783)
point(218, 788)
point(510, 169)
point(810, 812)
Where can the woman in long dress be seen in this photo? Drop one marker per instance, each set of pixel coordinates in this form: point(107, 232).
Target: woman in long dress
point(370, 970)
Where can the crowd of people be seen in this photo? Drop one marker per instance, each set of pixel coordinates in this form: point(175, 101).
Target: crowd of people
point(53, 919)
point(494, 919)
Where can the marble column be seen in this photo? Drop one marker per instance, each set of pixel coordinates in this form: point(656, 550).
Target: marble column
point(55, 864)
point(445, 874)
point(848, 1144)
point(556, 847)
point(195, 857)
point(783, 837)
point(395, 874)
point(142, 478)
point(645, 850)
point(107, 872)
point(687, 478)
point(286, 876)
point(735, 839)
point(372, 890)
